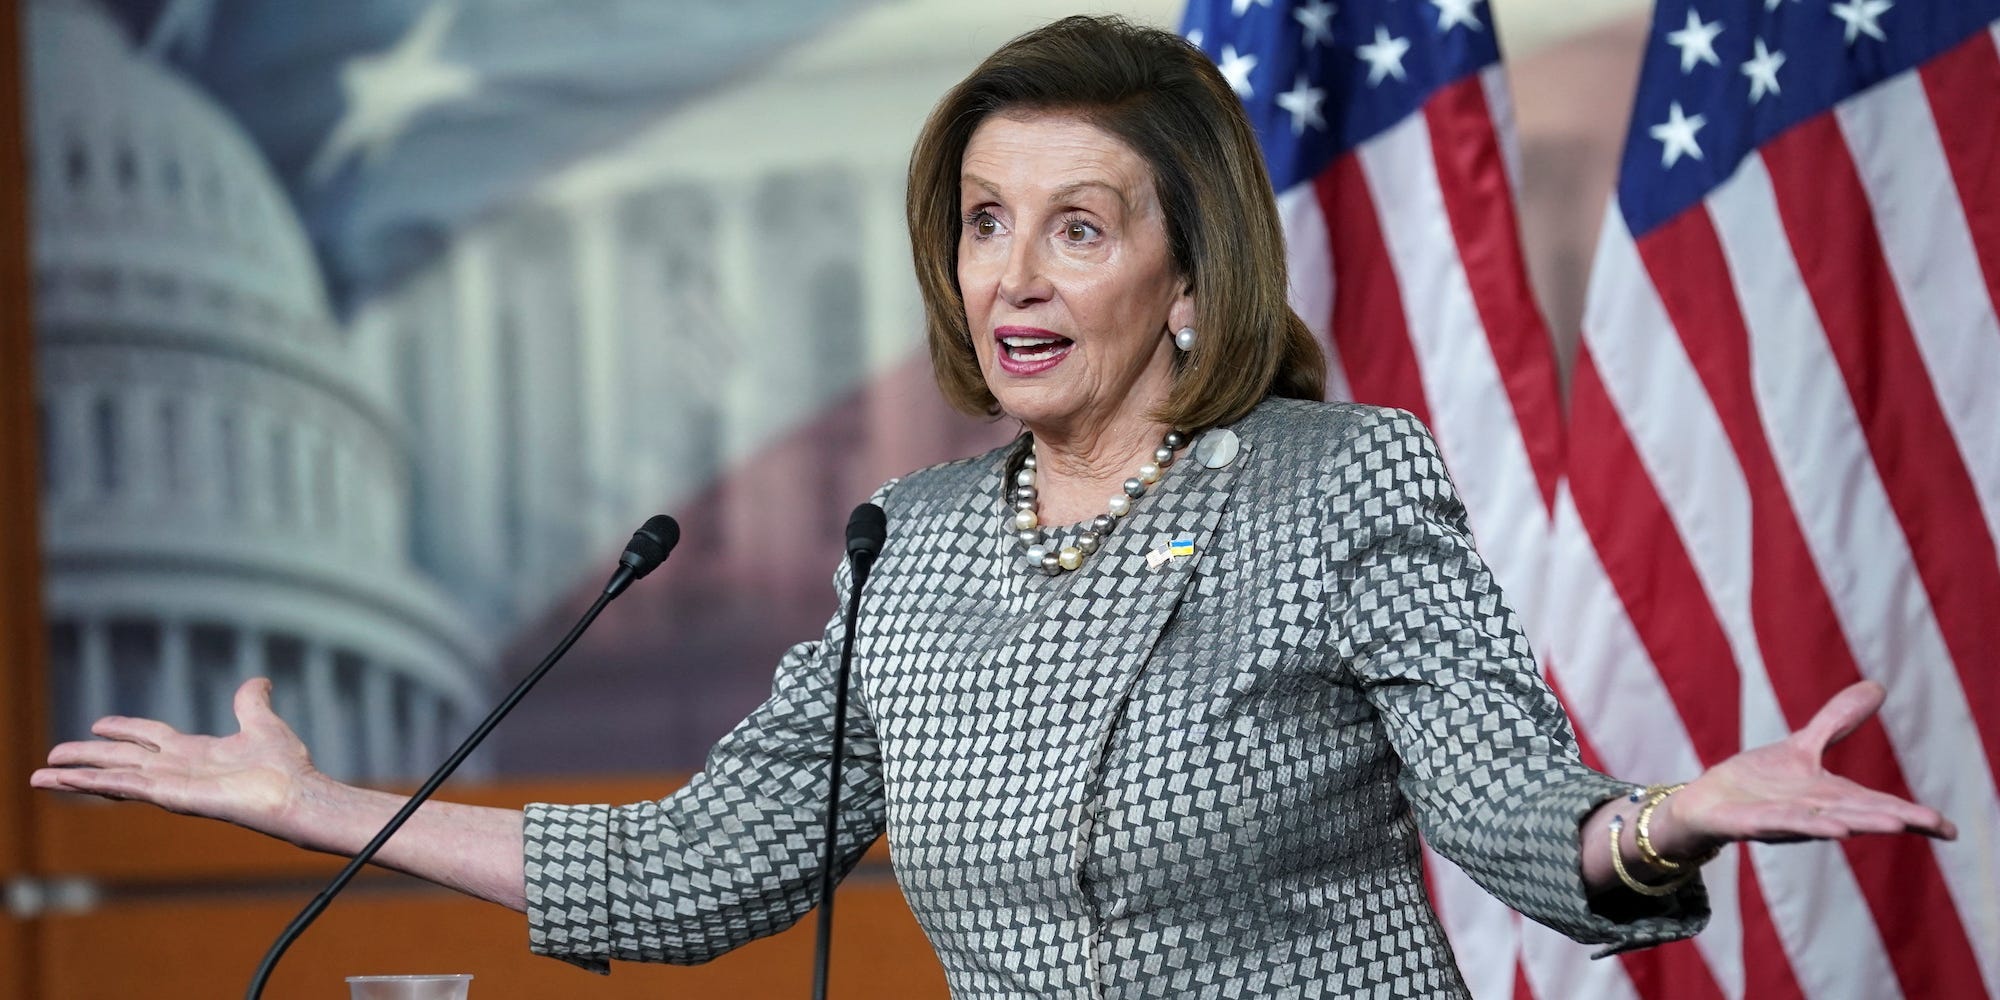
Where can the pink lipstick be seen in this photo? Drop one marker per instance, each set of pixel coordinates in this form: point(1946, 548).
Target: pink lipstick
point(1027, 350)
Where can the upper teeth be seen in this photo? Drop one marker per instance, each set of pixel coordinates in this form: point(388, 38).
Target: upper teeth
point(1028, 341)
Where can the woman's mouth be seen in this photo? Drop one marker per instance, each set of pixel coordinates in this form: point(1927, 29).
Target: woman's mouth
point(1026, 351)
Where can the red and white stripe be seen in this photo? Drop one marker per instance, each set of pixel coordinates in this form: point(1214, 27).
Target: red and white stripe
point(1784, 476)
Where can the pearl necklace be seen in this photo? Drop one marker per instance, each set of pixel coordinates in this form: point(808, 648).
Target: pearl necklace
point(1054, 558)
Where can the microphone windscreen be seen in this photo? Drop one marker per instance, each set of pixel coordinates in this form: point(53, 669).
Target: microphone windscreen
point(866, 528)
point(651, 543)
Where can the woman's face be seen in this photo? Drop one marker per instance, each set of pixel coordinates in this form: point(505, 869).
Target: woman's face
point(1070, 291)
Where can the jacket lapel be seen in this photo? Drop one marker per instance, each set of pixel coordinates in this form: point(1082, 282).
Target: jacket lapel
point(1121, 607)
point(1125, 599)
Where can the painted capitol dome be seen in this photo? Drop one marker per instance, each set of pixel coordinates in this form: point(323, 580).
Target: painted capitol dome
point(226, 478)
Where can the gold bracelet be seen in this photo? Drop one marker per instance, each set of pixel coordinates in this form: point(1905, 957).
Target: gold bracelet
point(1655, 795)
point(1618, 865)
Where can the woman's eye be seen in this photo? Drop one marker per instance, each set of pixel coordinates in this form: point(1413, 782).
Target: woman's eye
point(1078, 232)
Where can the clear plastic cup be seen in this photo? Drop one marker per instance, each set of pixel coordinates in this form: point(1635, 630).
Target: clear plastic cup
point(408, 987)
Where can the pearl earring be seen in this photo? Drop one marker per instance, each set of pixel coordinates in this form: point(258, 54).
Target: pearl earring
point(1184, 338)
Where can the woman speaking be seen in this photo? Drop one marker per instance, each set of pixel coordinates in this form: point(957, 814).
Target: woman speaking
point(1155, 700)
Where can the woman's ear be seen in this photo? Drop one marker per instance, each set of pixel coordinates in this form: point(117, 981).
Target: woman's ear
point(1182, 312)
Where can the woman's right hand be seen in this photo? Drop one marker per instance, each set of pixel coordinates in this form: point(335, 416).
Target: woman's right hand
point(257, 778)
point(263, 778)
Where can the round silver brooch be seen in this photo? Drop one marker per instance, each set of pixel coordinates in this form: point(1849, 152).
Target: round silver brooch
point(1217, 448)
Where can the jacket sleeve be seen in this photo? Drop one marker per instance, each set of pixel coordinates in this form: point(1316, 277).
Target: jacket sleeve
point(732, 856)
point(1490, 764)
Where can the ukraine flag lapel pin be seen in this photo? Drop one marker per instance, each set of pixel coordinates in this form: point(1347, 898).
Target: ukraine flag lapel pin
point(1176, 549)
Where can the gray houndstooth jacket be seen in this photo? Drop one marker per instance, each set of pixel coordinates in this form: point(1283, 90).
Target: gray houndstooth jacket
point(1203, 778)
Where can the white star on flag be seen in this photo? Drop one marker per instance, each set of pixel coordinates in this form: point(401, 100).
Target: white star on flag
point(1236, 67)
point(1303, 102)
point(1763, 72)
point(1860, 15)
point(1452, 13)
point(1676, 135)
point(1237, 7)
point(1696, 42)
point(1317, 19)
point(1195, 38)
point(1384, 56)
point(388, 90)
point(1775, 4)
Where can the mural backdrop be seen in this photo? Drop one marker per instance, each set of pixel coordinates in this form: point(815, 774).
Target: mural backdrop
point(367, 332)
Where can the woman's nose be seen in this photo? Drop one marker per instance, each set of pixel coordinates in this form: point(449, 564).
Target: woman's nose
point(1024, 280)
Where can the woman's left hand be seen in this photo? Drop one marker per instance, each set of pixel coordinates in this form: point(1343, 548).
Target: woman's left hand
point(1782, 792)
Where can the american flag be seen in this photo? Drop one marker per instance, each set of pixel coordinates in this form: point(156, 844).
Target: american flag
point(1784, 470)
point(1784, 465)
point(1385, 125)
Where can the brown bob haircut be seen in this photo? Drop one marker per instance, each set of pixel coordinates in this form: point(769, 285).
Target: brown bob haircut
point(1163, 98)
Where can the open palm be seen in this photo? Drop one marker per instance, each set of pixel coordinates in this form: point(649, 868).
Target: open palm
point(1782, 791)
point(251, 778)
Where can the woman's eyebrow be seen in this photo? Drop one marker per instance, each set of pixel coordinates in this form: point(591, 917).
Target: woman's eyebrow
point(1069, 191)
point(980, 182)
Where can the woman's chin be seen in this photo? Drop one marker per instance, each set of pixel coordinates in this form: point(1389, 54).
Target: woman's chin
point(1052, 406)
point(1040, 405)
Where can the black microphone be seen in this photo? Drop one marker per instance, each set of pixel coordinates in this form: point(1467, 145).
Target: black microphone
point(866, 529)
point(648, 548)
